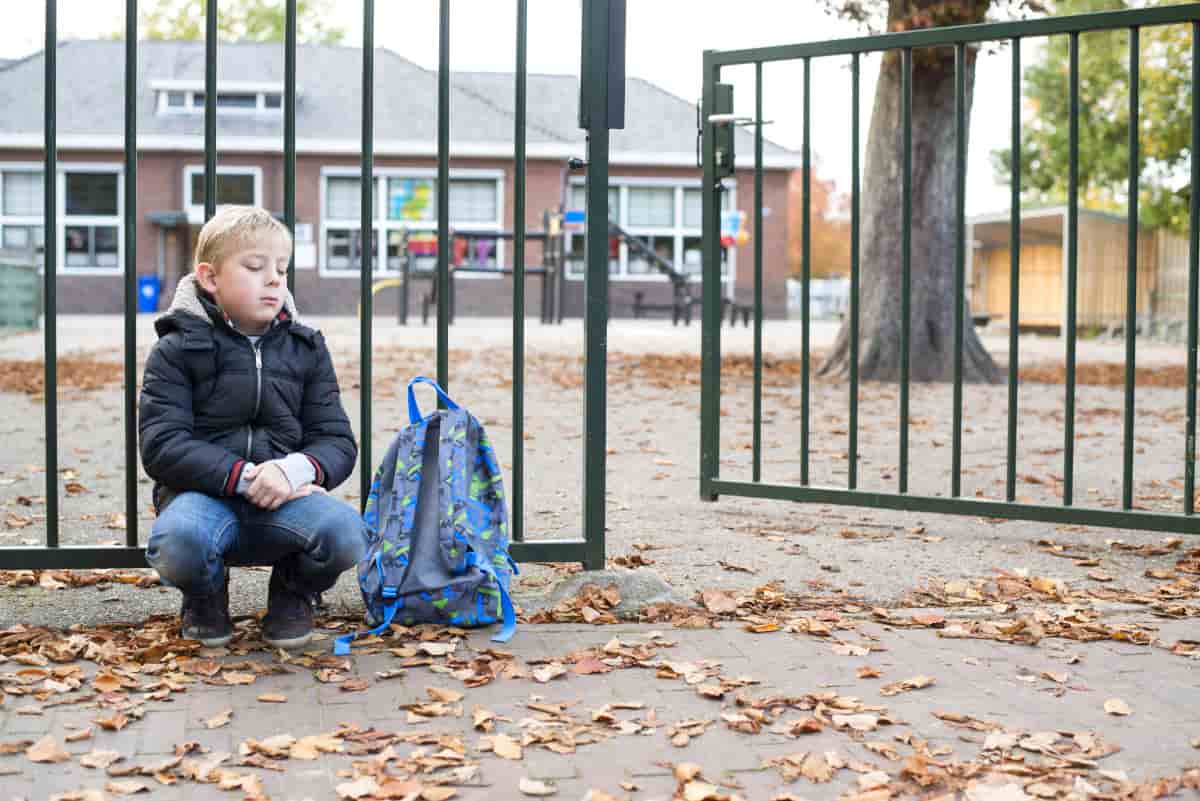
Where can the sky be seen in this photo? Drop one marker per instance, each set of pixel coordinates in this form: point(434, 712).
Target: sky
point(666, 39)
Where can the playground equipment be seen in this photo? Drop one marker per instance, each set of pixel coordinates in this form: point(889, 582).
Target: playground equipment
point(473, 250)
point(470, 253)
point(683, 298)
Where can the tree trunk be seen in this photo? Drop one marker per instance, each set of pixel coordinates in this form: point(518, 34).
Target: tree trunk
point(931, 329)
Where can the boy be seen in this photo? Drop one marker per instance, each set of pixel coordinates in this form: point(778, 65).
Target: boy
point(242, 428)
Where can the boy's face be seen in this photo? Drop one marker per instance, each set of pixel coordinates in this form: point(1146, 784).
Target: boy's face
point(249, 285)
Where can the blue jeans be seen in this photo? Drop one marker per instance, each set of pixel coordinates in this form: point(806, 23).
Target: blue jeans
point(310, 540)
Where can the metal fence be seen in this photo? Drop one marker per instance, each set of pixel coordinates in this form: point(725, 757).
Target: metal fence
point(716, 114)
point(602, 64)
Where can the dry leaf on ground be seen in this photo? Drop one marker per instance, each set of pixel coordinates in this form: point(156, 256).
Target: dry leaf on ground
point(536, 788)
point(46, 749)
point(1115, 706)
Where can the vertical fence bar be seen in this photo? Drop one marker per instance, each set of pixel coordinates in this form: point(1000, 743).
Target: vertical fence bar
point(710, 318)
point(595, 322)
point(854, 222)
point(289, 135)
point(960, 191)
point(1072, 268)
point(758, 244)
point(1131, 269)
point(1189, 459)
point(1014, 274)
point(906, 258)
point(443, 199)
point(50, 270)
point(805, 277)
point(366, 220)
point(210, 110)
point(518, 422)
point(130, 222)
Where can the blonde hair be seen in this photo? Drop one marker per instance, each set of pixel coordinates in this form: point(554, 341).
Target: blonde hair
point(232, 227)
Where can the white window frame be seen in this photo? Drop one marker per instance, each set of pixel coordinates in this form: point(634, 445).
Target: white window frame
point(195, 212)
point(385, 225)
point(678, 231)
point(192, 88)
point(62, 221)
point(26, 219)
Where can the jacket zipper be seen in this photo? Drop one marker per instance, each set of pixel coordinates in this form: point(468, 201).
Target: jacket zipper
point(257, 397)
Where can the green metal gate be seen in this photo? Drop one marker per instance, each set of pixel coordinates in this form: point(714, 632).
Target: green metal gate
point(602, 69)
point(717, 121)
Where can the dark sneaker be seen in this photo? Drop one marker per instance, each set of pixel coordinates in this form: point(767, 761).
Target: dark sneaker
point(289, 620)
point(206, 618)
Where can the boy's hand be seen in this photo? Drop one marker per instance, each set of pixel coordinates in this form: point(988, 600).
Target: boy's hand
point(269, 488)
point(306, 490)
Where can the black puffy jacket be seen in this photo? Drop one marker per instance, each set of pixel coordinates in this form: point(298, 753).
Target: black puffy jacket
point(211, 401)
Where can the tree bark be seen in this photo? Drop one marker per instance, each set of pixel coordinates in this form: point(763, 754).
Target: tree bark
point(931, 351)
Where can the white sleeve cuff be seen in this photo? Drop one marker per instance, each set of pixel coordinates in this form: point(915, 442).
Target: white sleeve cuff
point(298, 470)
point(244, 482)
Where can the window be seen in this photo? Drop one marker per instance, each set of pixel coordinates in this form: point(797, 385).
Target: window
point(23, 195)
point(666, 219)
point(21, 211)
point(412, 199)
point(235, 186)
point(406, 204)
point(473, 201)
point(91, 193)
point(175, 100)
point(231, 189)
point(91, 225)
point(652, 206)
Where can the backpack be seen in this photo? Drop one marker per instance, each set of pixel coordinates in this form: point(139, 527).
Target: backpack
point(437, 528)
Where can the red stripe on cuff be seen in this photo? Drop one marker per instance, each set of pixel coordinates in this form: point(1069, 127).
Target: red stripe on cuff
point(234, 474)
point(320, 479)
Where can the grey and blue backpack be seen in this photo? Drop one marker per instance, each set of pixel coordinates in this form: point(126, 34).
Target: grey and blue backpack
point(437, 528)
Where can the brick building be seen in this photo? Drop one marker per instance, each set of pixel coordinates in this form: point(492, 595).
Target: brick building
point(654, 187)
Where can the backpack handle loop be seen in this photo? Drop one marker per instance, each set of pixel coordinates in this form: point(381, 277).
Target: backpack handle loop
point(414, 411)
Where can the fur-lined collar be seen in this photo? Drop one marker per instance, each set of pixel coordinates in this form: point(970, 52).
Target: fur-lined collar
point(187, 301)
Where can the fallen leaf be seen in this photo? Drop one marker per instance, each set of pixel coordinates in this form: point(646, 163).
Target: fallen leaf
point(268, 698)
point(701, 791)
point(861, 722)
point(79, 736)
point(46, 750)
point(1115, 706)
point(719, 602)
point(445, 696)
point(437, 793)
point(505, 747)
point(127, 787)
point(549, 672)
point(100, 759)
point(868, 672)
point(357, 789)
point(234, 677)
point(816, 767)
point(531, 787)
point(218, 720)
point(915, 683)
point(993, 792)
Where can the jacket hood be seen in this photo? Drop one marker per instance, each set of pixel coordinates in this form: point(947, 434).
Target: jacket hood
point(188, 302)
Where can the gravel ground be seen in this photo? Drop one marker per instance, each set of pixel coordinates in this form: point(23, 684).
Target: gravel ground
point(653, 491)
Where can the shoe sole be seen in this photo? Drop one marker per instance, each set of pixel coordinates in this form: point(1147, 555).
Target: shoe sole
point(211, 642)
point(289, 643)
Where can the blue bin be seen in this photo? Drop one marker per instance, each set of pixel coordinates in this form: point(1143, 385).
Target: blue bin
point(148, 288)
